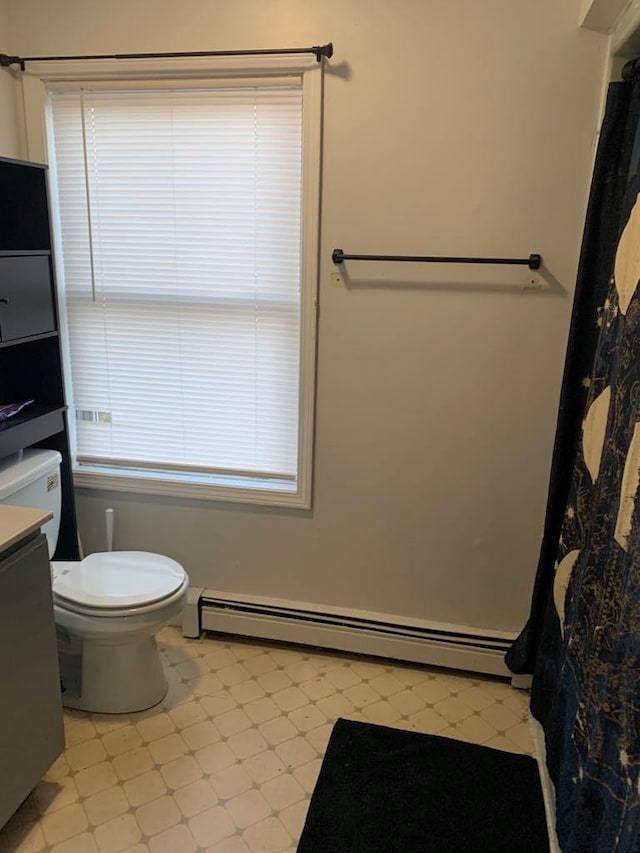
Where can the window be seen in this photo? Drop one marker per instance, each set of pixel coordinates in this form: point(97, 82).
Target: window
point(189, 291)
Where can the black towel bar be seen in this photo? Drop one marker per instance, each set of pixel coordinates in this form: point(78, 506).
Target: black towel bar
point(534, 261)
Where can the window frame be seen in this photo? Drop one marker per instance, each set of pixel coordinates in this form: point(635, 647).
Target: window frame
point(36, 85)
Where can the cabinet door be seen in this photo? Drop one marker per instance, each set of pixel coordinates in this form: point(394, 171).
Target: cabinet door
point(26, 297)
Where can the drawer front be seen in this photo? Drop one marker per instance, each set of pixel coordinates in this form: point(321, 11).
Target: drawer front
point(26, 297)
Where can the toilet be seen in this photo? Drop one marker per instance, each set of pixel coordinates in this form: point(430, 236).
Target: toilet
point(108, 607)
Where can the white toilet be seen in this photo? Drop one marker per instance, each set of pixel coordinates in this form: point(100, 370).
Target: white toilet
point(108, 607)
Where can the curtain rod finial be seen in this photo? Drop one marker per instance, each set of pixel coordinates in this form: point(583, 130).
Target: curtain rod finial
point(7, 61)
point(323, 50)
point(630, 70)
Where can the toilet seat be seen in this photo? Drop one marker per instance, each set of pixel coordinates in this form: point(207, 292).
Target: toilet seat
point(117, 581)
point(116, 615)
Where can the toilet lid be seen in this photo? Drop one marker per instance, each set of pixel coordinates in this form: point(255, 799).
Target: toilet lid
point(118, 579)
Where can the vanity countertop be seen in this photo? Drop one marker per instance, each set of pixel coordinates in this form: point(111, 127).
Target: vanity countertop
point(16, 522)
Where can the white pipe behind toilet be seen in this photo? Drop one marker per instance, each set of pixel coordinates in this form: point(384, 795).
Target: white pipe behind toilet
point(109, 527)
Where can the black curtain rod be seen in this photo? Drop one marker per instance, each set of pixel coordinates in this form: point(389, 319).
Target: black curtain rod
point(534, 262)
point(319, 51)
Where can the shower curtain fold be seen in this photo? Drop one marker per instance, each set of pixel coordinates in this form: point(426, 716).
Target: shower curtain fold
point(602, 224)
point(582, 640)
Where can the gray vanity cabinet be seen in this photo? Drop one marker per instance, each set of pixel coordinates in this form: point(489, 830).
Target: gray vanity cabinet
point(31, 729)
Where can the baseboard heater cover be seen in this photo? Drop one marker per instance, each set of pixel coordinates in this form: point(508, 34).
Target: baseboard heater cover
point(456, 647)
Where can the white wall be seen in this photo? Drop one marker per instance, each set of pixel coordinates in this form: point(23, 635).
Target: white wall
point(450, 128)
point(9, 125)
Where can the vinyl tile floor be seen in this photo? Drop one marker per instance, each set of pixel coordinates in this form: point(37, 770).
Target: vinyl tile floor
point(228, 761)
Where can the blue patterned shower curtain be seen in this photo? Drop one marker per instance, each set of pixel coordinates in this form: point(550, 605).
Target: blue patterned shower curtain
point(582, 640)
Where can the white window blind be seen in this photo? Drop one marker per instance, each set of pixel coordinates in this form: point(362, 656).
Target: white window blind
point(180, 216)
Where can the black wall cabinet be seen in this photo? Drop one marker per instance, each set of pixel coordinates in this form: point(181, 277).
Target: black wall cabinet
point(30, 358)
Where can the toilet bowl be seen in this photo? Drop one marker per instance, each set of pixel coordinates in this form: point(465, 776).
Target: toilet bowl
point(107, 607)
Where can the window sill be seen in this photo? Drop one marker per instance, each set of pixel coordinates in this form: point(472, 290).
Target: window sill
point(199, 486)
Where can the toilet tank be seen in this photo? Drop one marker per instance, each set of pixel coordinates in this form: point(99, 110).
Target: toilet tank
point(31, 478)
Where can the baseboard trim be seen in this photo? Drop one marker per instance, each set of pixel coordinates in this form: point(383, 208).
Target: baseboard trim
point(358, 632)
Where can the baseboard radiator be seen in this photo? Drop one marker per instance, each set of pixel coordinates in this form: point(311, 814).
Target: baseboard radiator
point(359, 632)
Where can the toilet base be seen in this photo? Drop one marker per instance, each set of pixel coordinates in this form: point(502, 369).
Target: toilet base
point(118, 678)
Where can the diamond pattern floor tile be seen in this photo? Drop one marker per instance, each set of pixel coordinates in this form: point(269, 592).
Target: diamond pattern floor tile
point(228, 761)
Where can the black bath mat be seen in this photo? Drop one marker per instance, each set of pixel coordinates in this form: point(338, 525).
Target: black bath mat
point(383, 790)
